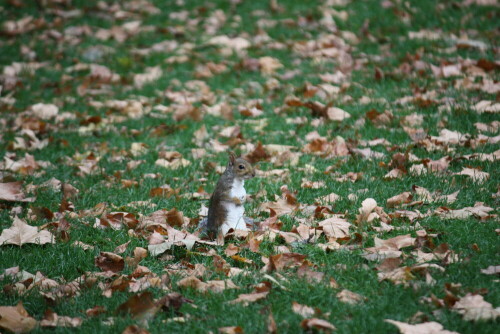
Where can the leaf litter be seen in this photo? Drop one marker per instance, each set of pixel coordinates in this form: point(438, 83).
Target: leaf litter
point(334, 181)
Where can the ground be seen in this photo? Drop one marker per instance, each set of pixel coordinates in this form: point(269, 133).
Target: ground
point(373, 126)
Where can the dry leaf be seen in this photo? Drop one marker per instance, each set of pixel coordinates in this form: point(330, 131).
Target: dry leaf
point(397, 200)
point(315, 323)
point(366, 214)
point(475, 174)
point(491, 270)
point(349, 297)
point(335, 227)
point(110, 261)
point(230, 330)
point(247, 298)
point(424, 328)
point(21, 233)
point(12, 191)
point(51, 319)
point(16, 319)
point(475, 308)
point(302, 310)
point(139, 306)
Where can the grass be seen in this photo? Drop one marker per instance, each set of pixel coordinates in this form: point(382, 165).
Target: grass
point(385, 46)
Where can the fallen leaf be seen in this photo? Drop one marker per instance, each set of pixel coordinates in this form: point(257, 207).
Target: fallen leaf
point(475, 308)
point(134, 329)
point(397, 200)
point(21, 233)
point(491, 270)
point(335, 227)
point(12, 191)
point(315, 323)
point(247, 298)
point(16, 319)
point(302, 310)
point(475, 174)
point(51, 319)
point(424, 328)
point(349, 297)
point(230, 330)
point(366, 214)
point(140, 306)
point(110, 261)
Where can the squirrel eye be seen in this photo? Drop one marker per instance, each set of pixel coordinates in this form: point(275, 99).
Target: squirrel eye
point(241, 167)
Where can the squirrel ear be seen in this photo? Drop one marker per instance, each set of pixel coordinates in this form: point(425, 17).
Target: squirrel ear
point(232, 157)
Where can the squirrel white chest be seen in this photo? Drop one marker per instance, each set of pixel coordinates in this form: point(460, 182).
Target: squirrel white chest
point(234, 218)
point(238, 190)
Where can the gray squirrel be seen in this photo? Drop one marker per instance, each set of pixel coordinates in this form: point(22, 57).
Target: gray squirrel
point(226, 210)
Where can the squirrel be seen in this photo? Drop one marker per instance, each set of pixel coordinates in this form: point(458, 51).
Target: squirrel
point(226, 209)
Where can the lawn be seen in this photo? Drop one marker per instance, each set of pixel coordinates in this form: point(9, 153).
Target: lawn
point(373, 126)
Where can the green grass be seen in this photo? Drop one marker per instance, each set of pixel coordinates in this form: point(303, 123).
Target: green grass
point(386, 46)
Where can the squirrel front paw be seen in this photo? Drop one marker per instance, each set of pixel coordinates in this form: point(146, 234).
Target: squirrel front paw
point(237, 201)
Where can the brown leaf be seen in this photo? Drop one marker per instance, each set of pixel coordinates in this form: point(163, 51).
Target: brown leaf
point(491, 270)
point(283, 261)
point(140, 306)
point(134, 329)
point(366, 214)
point(302, 310)
point(315, 323)
point(21, 233)
point(424, 328)
point(335, 227)
point(231, 330)
point(110, 261)
point(476, 175)
point(258, 154)
point(272, 328)
point(397, 200)
point(16, 319)
point(306, 272)
point(349, 297)
point(95, 311)
point(51, 319)
point(475, 308)
point(247, 298)
point(175, 218)
point(122, 248)
point(254, 245)
point(12, 191)
point(172, 301)
point(231, 250)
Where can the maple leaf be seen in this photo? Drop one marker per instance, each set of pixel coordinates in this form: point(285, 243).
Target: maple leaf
point(366, 214)
point(350, 297)
point(424, 328)
point(21, 233)
point(140, 306)
point(230, 330)
point(16, 319)
point(302, 310)
point(12, 191)
point(397, 200)
point(474, 307)
point(53, 320)
point(478, 210)
point(335, 227)
point(491, 270)
point(247, 298)
point(315, 323)
point(475, 174)
point(110, 261)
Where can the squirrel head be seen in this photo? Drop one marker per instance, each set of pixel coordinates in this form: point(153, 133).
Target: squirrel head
point(240, 168)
